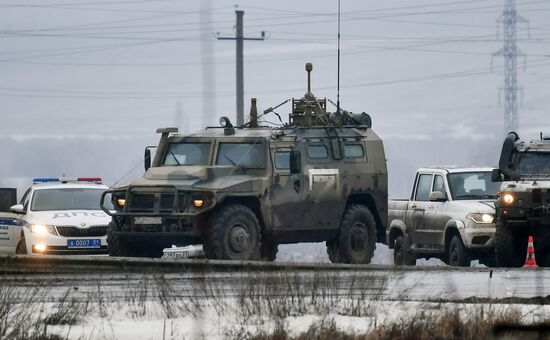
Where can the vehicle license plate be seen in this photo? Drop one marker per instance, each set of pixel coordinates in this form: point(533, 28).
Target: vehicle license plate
point(88, 243)
point(147, 220)
point(177, 255)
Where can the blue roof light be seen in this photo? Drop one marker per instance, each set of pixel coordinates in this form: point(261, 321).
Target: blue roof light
point(45, 179)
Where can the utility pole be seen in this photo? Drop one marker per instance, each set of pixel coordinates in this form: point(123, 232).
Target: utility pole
point(239, 38)
point(509, 20)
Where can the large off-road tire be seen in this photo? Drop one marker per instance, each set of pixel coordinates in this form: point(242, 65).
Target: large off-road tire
point(542, 248)
point(510, 246)
point(457, 254)
point(356, 240)
point(234, 234)
point(403, 255)
point(21, 248)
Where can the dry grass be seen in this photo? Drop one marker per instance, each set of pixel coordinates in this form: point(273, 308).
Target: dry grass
point(451, 324)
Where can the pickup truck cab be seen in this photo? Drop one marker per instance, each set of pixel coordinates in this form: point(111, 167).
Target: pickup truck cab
point(450, 214)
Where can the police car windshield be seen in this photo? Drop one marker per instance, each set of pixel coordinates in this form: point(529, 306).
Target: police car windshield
point(67, 199)
point(472, 185)
point(533, 164)
point(187, 154)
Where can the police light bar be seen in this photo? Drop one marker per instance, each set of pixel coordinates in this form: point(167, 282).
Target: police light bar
point(66, 179)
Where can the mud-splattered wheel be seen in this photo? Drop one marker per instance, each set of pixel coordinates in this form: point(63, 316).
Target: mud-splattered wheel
point(402, 252)
point(234, 234)
point(458, 255)
point(356, 240)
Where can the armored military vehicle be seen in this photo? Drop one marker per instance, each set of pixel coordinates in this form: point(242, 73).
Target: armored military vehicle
point(523, 205)
point(242, 190)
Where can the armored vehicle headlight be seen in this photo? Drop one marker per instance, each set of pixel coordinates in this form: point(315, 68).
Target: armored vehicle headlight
point(198, 203)
point(121, 201)
point(481, 218)
point(42, 229)
point(508, 198)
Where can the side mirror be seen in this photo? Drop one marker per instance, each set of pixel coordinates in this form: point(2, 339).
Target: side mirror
point(147, 159)
point(295, 162)
point(496, 175)
point(437, 196)
point(17, 209)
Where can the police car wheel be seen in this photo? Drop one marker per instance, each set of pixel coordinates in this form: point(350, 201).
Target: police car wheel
point(357, 239)
point(21, 246)
point(234, 234)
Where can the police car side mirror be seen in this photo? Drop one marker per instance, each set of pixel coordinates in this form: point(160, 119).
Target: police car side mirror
point(147, 159)
point(496, 175)
point(17, 209)
point(295, 162)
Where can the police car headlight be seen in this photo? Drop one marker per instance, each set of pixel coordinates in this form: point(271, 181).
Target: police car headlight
point(481, 218)
point(42, 229)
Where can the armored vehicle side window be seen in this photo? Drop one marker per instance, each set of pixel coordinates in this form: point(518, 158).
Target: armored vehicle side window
point(423, 189)
point(317, 151)
point(438, 184)
point(249, 155)
point(282, 160)
point(187, 154)
point(354, 151)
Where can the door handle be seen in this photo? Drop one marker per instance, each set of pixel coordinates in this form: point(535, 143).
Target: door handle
point(413, 206)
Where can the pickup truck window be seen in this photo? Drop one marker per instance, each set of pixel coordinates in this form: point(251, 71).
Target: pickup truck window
point(472, 185)
point(438, 184)
point(423, 188)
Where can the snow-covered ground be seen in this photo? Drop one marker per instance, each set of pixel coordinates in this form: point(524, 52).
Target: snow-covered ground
point(317, 252)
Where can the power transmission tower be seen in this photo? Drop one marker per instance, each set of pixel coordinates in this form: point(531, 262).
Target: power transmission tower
point(509, 20)
point(239, 38)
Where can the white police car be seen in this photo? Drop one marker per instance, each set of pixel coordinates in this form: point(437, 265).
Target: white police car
point(61, 216)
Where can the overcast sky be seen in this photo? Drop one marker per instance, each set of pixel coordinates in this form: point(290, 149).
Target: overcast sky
point(84, 84)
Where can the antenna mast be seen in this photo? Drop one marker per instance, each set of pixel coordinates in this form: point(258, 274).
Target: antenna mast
point(338, 80)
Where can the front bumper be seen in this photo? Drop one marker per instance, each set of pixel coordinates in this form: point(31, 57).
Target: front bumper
point(478, 235)
point(58, 245)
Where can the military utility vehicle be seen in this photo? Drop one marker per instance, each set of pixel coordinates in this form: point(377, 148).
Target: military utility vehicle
point(523, 205)
point(242, 190)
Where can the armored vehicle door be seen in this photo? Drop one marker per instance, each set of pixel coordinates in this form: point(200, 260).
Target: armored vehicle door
point(286, 192)
point(324, 204)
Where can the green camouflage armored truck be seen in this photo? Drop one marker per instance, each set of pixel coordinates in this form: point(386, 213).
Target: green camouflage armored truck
point(523, 206)
point(243, 190)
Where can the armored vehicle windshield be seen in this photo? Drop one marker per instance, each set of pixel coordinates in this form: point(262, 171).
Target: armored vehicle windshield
point(533, 164)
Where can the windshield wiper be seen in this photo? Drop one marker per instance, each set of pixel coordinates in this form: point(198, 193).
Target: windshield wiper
point(174, 156)
point(476, 196)
point(230, 160)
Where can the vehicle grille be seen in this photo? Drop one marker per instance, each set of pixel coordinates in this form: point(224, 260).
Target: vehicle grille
point(541, 196)
point(69, 231)
point(162, 202)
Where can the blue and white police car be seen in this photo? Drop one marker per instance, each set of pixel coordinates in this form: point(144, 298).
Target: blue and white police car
point(60, 216)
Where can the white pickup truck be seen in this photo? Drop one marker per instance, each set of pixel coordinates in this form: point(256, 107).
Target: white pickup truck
point(450, 215)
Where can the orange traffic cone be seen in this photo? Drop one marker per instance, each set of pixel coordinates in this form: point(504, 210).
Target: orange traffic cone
point(530, 261)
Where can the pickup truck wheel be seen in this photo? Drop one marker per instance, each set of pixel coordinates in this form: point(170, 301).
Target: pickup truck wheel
point(510, 246)
point(402, 252)
point(234, 234)
point(357, 238)
point(21, 247)
point(458, 255)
